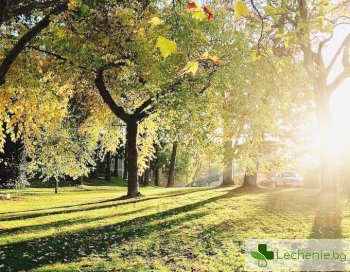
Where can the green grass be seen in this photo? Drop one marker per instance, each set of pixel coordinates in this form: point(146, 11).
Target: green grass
point(88, 229)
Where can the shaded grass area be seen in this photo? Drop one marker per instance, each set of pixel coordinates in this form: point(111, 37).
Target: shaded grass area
point(188, 229)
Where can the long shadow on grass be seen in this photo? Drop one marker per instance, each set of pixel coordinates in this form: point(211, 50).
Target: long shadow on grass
point(327, 223)
point(64, 223)
point(113, 202)
point(73, 246)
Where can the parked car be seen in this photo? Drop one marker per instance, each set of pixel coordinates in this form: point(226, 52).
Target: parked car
point(288, 179)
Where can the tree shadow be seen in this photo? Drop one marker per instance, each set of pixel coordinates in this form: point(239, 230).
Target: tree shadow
point(64, 223)
point(73, 246)
point(327, 222)
point(327, 225)
point(113, 202)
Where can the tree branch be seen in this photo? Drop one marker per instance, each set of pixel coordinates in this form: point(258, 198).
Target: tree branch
point(57, 56)
point(3, 9)
point(340, 49)
point(22, 42)
point(262, 25)
point(346, 64)
point(27, 9)
point(106, 96)
point(141, 113)
point(206, 86)
point(141, 109)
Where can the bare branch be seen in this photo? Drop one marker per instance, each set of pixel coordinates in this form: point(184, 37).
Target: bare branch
point(335, 24)
point(346, 64)
point(262, 24)
point(340, 49)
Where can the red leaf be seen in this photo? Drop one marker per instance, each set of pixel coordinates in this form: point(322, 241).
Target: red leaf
point(191, 5)
point(209, 13)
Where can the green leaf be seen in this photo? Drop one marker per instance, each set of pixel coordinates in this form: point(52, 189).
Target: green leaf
point(84, 9)
point(166, 46)
point(257, 255)
point(241, 9)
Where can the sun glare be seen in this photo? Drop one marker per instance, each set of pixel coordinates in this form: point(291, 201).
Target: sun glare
point(340, 100)
point(340, 110)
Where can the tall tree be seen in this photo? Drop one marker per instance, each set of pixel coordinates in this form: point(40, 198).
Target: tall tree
point(142, 92)
point(298, 26)
point(171, 176)
point(108, 173)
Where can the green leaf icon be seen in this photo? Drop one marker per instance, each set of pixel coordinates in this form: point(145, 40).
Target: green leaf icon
point(257, 255)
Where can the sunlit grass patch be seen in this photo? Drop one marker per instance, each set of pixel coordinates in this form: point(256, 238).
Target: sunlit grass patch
point(167, 230)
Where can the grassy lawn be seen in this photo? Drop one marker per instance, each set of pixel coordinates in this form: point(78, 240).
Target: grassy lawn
point(88, 229)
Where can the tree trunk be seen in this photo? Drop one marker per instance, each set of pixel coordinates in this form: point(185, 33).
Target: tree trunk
point(132, 154)
point(142, 180)
point(116, 165)
point(108, 166)
point(171, 177)
point(147, 174)
point(227, 177)
point(125, 171)
point(156, 168)
point(250, 179)
point(56, 186)
point(325, 120)
point(94, 172)
point(157, 177)
point(251, 176)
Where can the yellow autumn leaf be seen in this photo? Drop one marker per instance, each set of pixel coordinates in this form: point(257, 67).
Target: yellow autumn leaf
point(156, 21)
point(198, 14)
point(241, 9)
point(191, 67)
point(215, 59)
point(269, 10)
point(60, 33)
point(73, 4)
point(255, 55)
point(166, 46)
